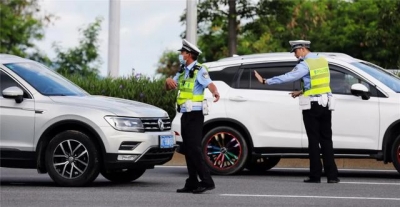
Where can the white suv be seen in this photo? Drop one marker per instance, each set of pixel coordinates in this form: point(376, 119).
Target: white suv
point(50, 124)
point(255, 125)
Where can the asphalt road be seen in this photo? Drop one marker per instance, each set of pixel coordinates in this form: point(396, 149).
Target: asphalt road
point(277, 187)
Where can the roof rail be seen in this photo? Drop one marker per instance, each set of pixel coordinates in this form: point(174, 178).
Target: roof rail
point(274, 54)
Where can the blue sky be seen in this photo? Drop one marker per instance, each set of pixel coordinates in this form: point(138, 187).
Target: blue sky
point(147, 28)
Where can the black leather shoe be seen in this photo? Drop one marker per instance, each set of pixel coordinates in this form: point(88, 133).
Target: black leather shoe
point(185, 190)
point(334, 180)
point(310, 180)
point(202, 189)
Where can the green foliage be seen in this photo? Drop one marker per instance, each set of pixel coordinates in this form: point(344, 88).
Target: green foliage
point(364, 29)
point(146, 90)
point(168, 64)
point(20, 26)
point(83, 59)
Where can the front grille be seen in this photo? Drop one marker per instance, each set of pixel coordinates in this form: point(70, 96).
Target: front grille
point(156, 124)
point(157, 156)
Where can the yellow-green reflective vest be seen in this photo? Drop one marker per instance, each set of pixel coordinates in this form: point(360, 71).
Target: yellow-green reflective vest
point(319, 76)
point(186, 87)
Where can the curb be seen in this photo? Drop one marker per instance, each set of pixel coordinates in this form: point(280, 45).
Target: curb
point(179, 160)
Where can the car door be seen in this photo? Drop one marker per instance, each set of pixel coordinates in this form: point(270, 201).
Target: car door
point(271, 115)
point(355, 122)
point(16, 119)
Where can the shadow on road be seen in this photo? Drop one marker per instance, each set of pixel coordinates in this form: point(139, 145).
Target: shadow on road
point(96, 184)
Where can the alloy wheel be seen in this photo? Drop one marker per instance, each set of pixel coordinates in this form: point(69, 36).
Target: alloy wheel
point(70, 159)
point(223, 150)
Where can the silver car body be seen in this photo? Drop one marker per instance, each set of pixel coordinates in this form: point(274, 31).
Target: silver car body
point(24, 125)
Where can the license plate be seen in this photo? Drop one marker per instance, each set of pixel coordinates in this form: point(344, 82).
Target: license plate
point(166, 141)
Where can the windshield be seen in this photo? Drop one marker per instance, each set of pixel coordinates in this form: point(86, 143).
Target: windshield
point(44, 80)
point(390, 80)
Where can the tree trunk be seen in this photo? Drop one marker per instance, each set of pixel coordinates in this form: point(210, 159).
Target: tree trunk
point(232, 28)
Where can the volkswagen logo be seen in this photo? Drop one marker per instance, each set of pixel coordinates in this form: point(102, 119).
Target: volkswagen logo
point(160, 124)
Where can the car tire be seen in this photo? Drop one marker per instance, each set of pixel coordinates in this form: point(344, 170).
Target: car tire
point(225, 150)
point(262, 164)
point(123, 175)
point(72, 159)
point(396, 154)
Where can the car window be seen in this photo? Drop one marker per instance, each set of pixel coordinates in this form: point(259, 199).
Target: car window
point(341, 82)
point(248, 80)
point(390, 80)
point(226, 75)
point(244, 81)
point(44, 80)
point(6, 81)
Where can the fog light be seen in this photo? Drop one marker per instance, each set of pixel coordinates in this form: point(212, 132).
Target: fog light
point(127, 157)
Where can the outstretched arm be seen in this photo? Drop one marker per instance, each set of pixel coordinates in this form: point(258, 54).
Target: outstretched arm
point(298, 72)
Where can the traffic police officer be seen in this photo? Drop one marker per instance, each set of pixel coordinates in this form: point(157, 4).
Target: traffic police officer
point(316, 101)
point(191, 81)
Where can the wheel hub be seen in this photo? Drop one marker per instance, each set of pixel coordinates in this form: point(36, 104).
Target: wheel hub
point(71, 159)
point(223, 150)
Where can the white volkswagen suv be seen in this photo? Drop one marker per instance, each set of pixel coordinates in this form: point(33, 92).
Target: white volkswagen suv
point(253, 125)
point(50, 124)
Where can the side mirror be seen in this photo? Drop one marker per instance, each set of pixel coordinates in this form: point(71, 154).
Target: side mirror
point(14, 93)
point(359, 89)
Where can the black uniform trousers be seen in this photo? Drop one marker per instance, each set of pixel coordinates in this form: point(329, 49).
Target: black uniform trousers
point(192, 134)
point(318, 124)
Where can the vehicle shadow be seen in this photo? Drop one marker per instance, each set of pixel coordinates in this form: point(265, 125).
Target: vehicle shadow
point(95, 184)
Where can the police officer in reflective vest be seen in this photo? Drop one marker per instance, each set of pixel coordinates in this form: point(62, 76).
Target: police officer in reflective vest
point(317, 102)
point(191, 81)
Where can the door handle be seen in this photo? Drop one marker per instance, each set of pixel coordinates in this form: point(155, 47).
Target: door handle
point(237, 99)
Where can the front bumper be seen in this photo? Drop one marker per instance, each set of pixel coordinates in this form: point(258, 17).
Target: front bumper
point(153, 156)
point(142, 149)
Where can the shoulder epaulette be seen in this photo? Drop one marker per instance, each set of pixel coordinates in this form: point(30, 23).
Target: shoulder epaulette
point(194, 68)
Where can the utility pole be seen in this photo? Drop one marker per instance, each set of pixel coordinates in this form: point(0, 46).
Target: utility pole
point(113, 38)
point(191, 21)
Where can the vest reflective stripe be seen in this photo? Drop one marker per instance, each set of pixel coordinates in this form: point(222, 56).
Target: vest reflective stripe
point(319, 76)
point(186, 88)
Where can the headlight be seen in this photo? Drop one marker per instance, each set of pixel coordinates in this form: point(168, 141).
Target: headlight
point(125, 123)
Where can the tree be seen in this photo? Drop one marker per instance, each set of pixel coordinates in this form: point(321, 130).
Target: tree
point(364, 29)
point(219, 22)
point(232, 27)
point(21, 25)
point(83, 59)
point(383, 38)
point(168, 64)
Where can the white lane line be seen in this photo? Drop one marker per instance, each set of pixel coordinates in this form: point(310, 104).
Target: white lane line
point(366, 183)
point(356, 170)
point(321, 197)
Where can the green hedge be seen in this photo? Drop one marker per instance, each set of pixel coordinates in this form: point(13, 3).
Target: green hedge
point(146, 90)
